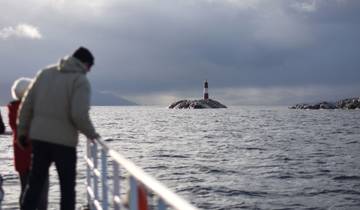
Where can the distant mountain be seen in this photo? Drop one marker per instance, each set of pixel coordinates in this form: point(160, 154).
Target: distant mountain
point(97, 98)
point(109, 99)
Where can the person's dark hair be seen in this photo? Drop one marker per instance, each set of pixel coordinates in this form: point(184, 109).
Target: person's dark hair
point(84, 55)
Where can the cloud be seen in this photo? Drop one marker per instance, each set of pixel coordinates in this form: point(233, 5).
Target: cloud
point(20, 31)
point(305, 6)
point(240, 4)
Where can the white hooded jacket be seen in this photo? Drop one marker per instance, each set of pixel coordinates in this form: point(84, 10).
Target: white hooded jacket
point(56, 106)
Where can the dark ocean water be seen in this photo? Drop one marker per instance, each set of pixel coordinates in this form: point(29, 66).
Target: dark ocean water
point(235, 158)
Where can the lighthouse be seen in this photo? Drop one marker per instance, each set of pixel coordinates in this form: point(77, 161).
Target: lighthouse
point(204, 103)
point(206, 93)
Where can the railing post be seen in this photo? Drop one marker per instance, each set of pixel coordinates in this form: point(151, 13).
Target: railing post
point(133, 194)
point(1, 191)
point(161, 205)
point(88, 173)
point(116, 185)
point(95, 178)
point(104, 179)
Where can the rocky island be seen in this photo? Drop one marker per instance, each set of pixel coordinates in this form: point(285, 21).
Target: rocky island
point(196, 104)
point(349, 103)
point(204, 103)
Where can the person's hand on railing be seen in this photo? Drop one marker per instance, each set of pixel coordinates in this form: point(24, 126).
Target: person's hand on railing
point(97, 137)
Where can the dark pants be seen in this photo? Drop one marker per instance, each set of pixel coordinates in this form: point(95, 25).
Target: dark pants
point(43, 202)
point(43, 154)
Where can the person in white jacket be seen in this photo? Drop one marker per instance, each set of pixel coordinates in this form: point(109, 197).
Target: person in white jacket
point(52, 113)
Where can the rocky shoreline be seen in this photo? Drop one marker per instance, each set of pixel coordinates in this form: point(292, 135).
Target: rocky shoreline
point(349, 103)
point(197, 104)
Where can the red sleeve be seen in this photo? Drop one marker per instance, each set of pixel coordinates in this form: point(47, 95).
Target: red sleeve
point(13, 109)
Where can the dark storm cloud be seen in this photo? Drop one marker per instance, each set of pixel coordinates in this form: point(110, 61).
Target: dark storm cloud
point(239, 47)
point(144, 47)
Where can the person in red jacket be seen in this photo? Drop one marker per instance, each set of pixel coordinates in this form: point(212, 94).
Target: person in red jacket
point(22, 157)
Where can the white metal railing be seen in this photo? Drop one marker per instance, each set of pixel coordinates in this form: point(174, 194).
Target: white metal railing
point(1, 191)
point(102, 182)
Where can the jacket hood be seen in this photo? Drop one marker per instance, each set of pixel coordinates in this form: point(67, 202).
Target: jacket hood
point(19, 87)
point(71, 65)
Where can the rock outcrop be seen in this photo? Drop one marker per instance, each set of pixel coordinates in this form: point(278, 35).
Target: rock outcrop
point(197, 104)
point(349, 103)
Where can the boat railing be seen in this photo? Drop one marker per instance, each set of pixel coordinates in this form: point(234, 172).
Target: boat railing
point(1, 191)
point(104, 187)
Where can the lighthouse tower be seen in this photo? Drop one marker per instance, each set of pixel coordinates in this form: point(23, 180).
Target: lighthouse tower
point(206, 93)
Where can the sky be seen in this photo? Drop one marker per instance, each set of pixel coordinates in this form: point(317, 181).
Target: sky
point(154, 52)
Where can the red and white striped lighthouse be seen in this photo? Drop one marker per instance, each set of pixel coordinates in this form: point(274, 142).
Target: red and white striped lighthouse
point(206, 93)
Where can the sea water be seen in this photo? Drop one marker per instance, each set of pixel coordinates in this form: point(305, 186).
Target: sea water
point(235, 158)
